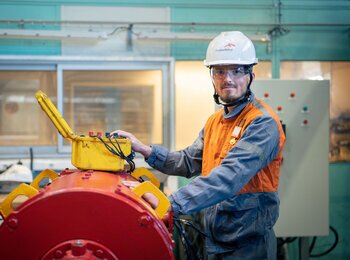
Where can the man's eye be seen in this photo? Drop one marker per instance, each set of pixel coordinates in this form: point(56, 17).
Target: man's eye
point(220, 72)
point(238, 71)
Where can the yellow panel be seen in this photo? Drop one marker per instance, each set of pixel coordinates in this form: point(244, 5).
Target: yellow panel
point(55, 116)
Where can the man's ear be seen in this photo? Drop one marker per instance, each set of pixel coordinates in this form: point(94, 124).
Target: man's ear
point(253, 74)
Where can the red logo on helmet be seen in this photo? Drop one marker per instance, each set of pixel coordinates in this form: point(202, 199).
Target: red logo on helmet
point(230, 45)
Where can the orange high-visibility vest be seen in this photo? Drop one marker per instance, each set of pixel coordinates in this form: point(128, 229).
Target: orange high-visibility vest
point(218, 140)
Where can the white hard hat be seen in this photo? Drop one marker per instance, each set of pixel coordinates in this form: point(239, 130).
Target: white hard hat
point(230, 48)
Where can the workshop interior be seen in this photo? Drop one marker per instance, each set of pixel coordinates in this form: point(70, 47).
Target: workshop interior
point(72, 72)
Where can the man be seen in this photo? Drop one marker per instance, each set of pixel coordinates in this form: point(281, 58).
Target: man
point(238, 154)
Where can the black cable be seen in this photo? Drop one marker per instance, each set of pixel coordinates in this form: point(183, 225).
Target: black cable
point(118, 152)
point(290, 239)
point(336, 240)
point(108, 147)
point(190, 252)
point(119, 149)
point(179, 222)
point(313, 242)
point(129, 158)
point(190, 224)
point(183, 241)
point(287, 240)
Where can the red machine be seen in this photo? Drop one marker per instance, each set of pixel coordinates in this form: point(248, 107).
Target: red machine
point(84, 215)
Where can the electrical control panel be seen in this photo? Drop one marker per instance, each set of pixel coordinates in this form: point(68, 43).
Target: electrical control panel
point(303, 108)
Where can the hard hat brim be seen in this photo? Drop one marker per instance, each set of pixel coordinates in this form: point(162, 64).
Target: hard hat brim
point(229, 62)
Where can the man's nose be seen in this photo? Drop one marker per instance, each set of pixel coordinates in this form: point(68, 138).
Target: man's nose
point(228, 76)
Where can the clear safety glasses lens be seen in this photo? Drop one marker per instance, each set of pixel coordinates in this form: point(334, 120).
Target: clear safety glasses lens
point(220, 73)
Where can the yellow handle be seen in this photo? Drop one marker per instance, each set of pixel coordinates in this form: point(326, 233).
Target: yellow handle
point(22, 189)
point(44, 174)
point(55, 116)
point(163, 204)
point(142, 171)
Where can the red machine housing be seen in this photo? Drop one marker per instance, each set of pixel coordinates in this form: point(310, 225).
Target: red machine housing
point(85, 215)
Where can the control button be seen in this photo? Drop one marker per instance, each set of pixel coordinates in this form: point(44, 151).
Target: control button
point(91, 134)
point(99, 134)
point(279, 108)
point(305, 109)
point(305, 123)
point(266, 94)
point(292, 94)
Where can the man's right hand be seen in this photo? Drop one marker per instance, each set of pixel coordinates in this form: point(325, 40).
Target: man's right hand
point(137, 145)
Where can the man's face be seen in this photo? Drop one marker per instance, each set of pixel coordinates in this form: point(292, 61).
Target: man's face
point(230, 81)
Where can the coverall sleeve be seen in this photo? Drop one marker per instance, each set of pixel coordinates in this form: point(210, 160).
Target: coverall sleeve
point(186, 163)
point(258, 146)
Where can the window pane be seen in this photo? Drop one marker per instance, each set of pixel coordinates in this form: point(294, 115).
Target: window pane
point(263, 70)
point(313, 70)
point(103, 101)
point(22, 122)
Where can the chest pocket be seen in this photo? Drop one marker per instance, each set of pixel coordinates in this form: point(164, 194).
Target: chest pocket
point(230, 142)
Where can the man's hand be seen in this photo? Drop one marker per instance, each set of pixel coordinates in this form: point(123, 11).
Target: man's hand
point(137, 145)
point(148, 197)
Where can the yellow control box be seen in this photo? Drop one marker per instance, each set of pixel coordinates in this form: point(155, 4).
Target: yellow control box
point(87, 152)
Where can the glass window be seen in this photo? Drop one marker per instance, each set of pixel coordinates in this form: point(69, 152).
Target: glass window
point(263, 70)
point(103, 101)
point(313, 70)
point(337, 73)
point(21, 120)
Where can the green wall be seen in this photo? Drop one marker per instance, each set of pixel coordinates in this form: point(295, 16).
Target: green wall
point(16, 10)
point(300, 43)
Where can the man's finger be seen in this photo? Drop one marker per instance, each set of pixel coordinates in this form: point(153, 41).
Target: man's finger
point(130, 184)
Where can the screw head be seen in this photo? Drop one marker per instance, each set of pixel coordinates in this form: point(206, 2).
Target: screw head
point(99, 253)
point(78, 248)
point(13, 222)
point(145, 220)
point(58, 254)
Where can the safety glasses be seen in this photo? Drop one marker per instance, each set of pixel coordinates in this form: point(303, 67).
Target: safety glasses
point(221, 72)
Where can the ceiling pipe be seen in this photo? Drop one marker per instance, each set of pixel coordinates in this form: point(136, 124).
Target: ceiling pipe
point(71, 22)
